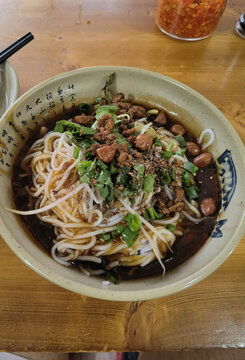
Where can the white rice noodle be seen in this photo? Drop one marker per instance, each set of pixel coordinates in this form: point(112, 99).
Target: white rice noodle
point(113, 264)
point(91, 193)
point(191, 218)
point(154, 248)
point(113, 220)
point(205, 132)
point(145, 127)
point(145, 249)
point(192, 207)
point(63, 245)
point(143, 220)
point(141, 120)
point(89, 258)
point(148, 259)
point(94, 233)
point(168, 221)
point(99, 219)
point(177, 157)
point(168, 191)
point(58, 258)
point(49, 206)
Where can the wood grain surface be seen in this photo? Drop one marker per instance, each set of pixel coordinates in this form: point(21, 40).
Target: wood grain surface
point(36, 315)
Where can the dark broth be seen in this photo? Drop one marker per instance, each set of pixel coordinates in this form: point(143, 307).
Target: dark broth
point(194, 235)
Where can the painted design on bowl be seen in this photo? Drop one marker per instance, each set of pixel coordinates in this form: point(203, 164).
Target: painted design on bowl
point(228, 176)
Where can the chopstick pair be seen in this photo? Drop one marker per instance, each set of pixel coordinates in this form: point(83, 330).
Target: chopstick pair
point(13, 48)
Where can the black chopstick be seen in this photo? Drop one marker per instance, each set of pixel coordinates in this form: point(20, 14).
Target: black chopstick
point(17, 45)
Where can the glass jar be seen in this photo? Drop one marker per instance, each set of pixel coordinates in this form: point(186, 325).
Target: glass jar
point(189, 19)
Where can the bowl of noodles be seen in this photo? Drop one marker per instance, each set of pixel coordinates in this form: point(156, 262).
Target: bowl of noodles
point(119, 183)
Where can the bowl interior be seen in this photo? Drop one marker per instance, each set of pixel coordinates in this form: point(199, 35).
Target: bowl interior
point(58, 95)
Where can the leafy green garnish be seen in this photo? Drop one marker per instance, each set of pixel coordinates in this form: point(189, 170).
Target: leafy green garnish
point(190, 167)
point(129, 236)
point(104, 185)
point(181, 152)
point(153, 214)
point(122, 178)
point(120, 139)
point(86, 169)
point(187, 179)
point(157, 142)
point(167, 177)
point(149, 183)
point(133, 221)
point(191, 192)
point(169, 147)
point(170, 227)
point(106, 110)
point(97, 170)
point(166, 154)
point(110, 275)
point(127, 193)
point(106, 237)
point(180, 140)
point(139, 168)
point(73, 128)
point(76, 152)
point(113, 169)
point(129, 232)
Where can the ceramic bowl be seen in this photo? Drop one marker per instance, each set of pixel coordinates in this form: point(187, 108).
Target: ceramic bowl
point(9, 86)
point(59, 94)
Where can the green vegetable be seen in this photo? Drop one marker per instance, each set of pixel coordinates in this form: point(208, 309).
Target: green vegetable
point(127, 193)
point(104, 185)
point(122, 178)
point(119, 229)
point(110, 275)
point(187, 178)
point(170, 227)
point(120, 139)
point(153, 214)
point(181, 152)
point(98, 171)
point(149, 183)
point(106, 237)
point(139, 168)
point(106, 110)
point(101, 165)
point(85, 142)
point(129, 236)
point(192, 192)
point(73, 128)
point(166, 154)
point(84, 108)
point(190, 167)
point(133, 221)
point(76, 152)
point(85, 169)
point(167, 177)
point(169, 147)
point(113, 169)
point(181, 140)
point(157, 142)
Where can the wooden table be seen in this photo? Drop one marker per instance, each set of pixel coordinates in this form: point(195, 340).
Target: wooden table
point(36, 315)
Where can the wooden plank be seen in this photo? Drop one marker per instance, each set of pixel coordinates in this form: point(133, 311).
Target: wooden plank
point(36, 315)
